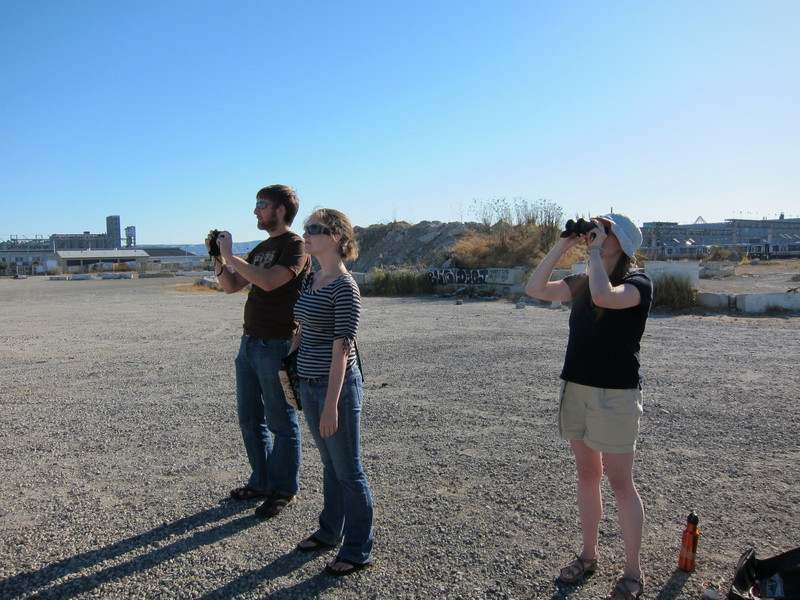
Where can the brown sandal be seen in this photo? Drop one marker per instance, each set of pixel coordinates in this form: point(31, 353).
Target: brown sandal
point(313, 544)
point(578, 570)
point(273, 506)
point(622, 592)
point(350, 567)
point(247, 493)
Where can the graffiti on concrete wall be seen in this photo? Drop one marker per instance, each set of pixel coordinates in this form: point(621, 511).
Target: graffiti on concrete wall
point(476, 276)
point(505, 276)
point(464, 276)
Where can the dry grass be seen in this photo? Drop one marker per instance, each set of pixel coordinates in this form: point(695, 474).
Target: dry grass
point(403, 282)
point(674, 293)
point(505, 247)
point(724, 254)
point(197, 286)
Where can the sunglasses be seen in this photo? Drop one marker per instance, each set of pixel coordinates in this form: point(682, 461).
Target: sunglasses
point(261, 204)
point(317, 229)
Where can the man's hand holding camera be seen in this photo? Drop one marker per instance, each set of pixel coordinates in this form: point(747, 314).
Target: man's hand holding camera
point(220, 246)
point(219, 243)
point(234, 273)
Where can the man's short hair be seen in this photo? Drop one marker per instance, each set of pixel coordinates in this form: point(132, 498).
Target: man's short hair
point(284, 196)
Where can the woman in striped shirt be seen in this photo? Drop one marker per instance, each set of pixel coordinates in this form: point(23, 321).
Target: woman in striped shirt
point(328, 311)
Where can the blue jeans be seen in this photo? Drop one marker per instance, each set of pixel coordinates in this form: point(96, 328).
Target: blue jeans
point(269, 426)
point(347, 511)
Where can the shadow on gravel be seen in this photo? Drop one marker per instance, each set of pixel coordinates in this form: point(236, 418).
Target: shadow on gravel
point(564, 590)
point(671, 591)
point(674, 585)
point(283, 565)
point(24, 583)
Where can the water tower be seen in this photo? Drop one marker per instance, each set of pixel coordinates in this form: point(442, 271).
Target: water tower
point(130, 236)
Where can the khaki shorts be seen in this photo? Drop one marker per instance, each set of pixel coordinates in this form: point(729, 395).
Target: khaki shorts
point(606, 420)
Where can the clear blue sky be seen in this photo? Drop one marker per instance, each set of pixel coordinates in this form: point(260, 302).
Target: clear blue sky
point(172, 114)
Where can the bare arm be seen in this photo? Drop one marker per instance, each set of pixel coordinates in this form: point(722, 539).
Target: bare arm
point(229, 281)
point(245, 273)
point(297, 338)
point(266, 279)
point(539, 286)
point(603, 293)
point(329, 422)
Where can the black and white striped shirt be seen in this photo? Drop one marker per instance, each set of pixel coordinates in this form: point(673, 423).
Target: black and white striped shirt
point(329, 313)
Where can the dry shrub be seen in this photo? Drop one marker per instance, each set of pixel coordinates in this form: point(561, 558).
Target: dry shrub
point(400, 282)
point(674, 293)
point(471, 250)
point(572, 256)
point(516, 246)
point(201, 285)
point(510, 234)
point(719, 254)
point(506, 246)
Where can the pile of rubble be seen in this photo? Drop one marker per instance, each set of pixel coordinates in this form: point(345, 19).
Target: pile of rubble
point(400, 244)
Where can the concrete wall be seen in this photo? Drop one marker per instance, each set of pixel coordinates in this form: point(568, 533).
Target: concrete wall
point(511, 283)
point(577, 268)
point(711, 269)
point(759, 303)
point(716, 301)
point(659, 268)
point(502, 282)
point(749, 303)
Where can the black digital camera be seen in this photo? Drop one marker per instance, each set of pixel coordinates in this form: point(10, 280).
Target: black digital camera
point(213, 246)
point(579, 227)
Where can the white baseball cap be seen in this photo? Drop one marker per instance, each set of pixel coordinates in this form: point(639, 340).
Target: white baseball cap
point(628, 234)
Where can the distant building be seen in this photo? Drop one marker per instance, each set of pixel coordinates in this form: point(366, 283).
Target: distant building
point(80, 261)
point(130, 236)
point(69, 241)
point(767, 237)
point(77, 252)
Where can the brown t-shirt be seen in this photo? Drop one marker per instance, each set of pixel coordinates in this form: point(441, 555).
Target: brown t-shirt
point(271, 314)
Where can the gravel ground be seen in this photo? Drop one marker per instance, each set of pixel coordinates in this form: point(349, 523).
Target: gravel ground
point(773, 277)
point(120, 444)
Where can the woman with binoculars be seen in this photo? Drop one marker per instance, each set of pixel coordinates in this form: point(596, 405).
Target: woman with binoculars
point(601, 392)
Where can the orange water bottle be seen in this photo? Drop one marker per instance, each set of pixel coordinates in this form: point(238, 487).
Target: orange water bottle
point(689, 543)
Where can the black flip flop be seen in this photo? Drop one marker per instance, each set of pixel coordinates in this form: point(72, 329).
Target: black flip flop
point(318, 545)
point(355, 567)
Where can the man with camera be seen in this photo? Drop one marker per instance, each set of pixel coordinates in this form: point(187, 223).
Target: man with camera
point(275, 270)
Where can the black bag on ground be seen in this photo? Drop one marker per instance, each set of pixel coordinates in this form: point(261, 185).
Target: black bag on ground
point(772, 578)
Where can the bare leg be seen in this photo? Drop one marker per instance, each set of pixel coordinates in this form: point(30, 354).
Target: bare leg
point(619, 469)
point(590, 503)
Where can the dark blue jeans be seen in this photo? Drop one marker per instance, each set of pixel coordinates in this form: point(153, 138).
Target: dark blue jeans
point(347, 511)
point(269, 426)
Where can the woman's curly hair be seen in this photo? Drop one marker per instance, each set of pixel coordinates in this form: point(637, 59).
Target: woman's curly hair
point(339, 225)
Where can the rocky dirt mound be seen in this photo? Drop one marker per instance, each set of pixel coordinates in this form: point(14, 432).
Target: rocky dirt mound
point(400, 244)
point(397, 244)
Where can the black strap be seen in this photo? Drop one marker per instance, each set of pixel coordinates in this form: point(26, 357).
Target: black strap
point(358, 360)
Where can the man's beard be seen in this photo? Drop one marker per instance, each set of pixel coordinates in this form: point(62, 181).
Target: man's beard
point(268, 224)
